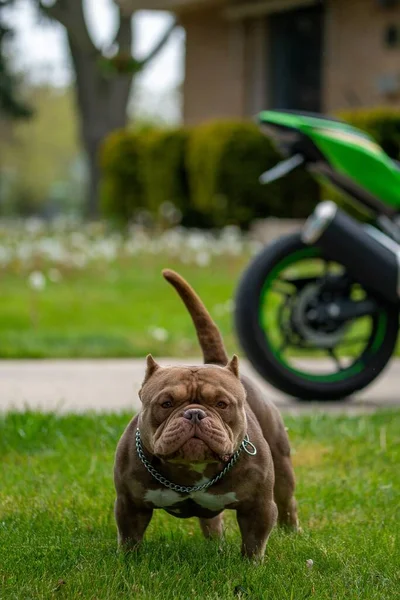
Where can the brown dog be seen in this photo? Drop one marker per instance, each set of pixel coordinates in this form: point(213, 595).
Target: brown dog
point(198, 423)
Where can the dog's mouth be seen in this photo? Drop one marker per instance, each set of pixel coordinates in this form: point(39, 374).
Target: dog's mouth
point(184, 442)
point(196, 450)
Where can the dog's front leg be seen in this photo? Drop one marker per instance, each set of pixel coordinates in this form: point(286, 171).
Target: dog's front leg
point(132, 522)
point(256, 522)
point(212, 528)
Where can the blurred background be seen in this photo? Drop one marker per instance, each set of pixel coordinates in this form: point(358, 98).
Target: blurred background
point(127, 145)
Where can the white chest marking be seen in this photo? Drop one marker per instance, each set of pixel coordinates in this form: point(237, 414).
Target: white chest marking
point(199, 467)
point(165, 498)
point(162, 498)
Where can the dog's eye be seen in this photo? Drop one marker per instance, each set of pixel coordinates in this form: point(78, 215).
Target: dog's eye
point(167, 404)
point(222, 404)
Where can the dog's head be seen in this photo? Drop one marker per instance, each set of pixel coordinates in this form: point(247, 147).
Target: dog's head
point(192, 414)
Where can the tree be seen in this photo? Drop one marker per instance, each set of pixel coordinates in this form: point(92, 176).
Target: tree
point(102, 84)
point(11, 106)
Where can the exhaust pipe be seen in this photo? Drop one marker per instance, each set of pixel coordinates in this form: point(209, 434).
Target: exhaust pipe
point(370, 256)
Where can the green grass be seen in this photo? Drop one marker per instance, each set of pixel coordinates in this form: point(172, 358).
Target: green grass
point(58, 539)
point(110, 311)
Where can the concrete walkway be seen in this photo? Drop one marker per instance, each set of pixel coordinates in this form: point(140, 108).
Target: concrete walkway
point(112, 385)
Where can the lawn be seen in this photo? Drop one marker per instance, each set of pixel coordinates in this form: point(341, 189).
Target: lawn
point(118, 311)
point(92, 294)
point(58, 539)
point(85, 292)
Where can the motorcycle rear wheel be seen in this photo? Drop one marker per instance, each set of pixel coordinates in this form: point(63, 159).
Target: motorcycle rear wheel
point(262, 337)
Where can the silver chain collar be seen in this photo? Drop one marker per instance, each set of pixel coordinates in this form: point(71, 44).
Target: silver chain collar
point(245, 446)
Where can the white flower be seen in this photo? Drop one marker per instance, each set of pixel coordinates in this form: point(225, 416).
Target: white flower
point(309, 563)
point(34, 225)
point(229, 306)
point(5, 255)
point(54, 275)
point(222, 309)
point(159, 334)
point(79, 261)
point(203, 259)
point(37, 281)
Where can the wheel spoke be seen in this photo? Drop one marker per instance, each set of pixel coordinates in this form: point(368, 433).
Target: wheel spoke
point(335, 358)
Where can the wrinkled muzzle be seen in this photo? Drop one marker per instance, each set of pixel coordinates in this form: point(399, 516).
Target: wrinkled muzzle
point(194, 436)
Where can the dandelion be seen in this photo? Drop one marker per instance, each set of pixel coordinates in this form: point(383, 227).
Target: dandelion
point(79, 261)
point(34, 225)
point(5, 256)
point(197, 241)
point(37, 281)
point(159, 334)
point(203, 259)
point(170, 213)
point(69, 244)
point(229, 306)
point(54, 275)
point(222, 309)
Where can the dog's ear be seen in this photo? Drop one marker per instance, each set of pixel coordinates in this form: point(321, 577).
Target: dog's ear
point(233, 366)
point(151, 367)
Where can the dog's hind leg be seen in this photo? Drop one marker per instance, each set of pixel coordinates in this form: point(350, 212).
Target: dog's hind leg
point(284, 489)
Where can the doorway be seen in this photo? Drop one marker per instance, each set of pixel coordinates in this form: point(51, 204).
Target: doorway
point(295, 56)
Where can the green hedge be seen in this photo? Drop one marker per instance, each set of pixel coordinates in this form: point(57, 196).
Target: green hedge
point(122, 161)
point(164, 170)
point(210, 172)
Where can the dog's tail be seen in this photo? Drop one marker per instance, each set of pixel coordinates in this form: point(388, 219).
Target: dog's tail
point(207, 332)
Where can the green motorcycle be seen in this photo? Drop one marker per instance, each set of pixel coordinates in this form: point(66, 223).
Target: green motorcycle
point(317, 312)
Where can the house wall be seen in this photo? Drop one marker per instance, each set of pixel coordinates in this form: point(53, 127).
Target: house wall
point(227, 63)
point(214, 83)
point(355, 53)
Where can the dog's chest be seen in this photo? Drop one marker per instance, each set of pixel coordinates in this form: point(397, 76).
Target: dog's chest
point(197, 504)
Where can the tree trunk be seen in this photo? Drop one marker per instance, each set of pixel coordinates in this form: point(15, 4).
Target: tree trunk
point(94, 174)
point(102, 107)
point(102, 99)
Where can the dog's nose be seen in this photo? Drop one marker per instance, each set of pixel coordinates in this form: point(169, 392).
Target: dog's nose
point(194, 414)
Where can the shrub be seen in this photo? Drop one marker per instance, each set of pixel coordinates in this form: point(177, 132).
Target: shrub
point(225, 161)
point(164, 170)
point(121, 161)
point(210, 173)
point(166, 178)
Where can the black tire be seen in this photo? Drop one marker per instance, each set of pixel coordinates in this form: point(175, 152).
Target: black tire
point(255, 343)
